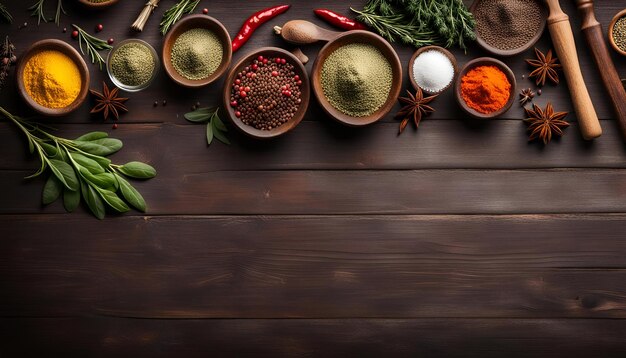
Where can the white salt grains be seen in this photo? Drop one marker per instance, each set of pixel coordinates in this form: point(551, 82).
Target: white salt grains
point(433, 71)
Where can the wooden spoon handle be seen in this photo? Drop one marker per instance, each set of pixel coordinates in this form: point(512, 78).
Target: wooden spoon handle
point(563, 41)
point(595, 40)
point(303, 32)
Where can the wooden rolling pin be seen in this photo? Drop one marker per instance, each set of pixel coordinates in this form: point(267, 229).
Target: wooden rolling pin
point(595, 40)
point(563, 41)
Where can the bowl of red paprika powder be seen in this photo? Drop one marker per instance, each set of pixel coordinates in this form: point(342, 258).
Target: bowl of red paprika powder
point(485, 88)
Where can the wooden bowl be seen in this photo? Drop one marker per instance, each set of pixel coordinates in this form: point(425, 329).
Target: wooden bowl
point(515, 51)
point(485, 61)
point(97, 5)
point(357, 36)
point(447, 53)
point(63, 47)
point(305, 90)
point(193, 22)
point(618, 16)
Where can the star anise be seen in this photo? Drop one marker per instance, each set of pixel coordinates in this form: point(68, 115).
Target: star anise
point(546, 66)
point(108, 102)
point(415, 106)
point(526, 96)
point(545, 123)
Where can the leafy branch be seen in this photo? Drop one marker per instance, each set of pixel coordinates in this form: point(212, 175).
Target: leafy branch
point(5, 13)
point(174, 13)
point(39, 12)
point(215, 127)
point(93, 45)
point(79, 168)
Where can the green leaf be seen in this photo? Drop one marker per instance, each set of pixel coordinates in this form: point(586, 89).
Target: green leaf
point(31, 146)
point(114, 201)
point(200, 115)
point(65, 173)
point(132, 196)
point(71, 199)
point(93, 200)
point(102, 180)
point(138, 170)
point(93, 166)
point(215, 119)
point(51, 190)
point(92, 136)
point(209, 133)
point(50, 150)
point(102, 147)
point(219, 135)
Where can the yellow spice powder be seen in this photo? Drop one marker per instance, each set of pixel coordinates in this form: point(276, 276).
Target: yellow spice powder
point(52, 79)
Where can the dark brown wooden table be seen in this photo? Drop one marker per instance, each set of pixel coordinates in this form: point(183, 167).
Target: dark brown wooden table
point(460, 239)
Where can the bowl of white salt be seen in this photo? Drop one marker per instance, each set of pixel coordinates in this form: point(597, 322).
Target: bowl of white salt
point(433, 69)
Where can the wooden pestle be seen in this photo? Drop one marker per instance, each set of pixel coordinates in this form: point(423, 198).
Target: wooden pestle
point(595, 40)
point(563, 41)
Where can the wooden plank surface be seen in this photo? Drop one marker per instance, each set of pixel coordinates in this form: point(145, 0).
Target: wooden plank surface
point(460, 239)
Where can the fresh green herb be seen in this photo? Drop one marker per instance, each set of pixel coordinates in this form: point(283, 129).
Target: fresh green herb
point(79, 168)
point(420, 22)
point(174, 13)
point(5, 13)
point(7, 59)
point(93, 45)
point(215, 127)
point(38, 11)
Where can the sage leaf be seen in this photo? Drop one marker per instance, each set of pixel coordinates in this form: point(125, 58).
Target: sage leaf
point(219, 135)
point(138, 170)
point(93, 166)
point(132, 196)
point(65, 173)
point(215, 119)
point(114, 201)
point(200, 115)
point(209, 134)
point(92, 136)
point(102, 180)
point(50, 150)
point(102, 147)
point(71, 199)
point(93, 200)
point(51, 190)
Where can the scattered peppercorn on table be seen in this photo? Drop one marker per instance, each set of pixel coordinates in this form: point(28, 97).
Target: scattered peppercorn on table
point(459, 238)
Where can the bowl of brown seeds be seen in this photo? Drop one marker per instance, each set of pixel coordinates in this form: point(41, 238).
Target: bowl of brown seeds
point(617, 32)
point(508, 27)
point(266, 94)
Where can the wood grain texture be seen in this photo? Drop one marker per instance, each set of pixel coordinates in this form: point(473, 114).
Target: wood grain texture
point(106, 337)
point(263, 267)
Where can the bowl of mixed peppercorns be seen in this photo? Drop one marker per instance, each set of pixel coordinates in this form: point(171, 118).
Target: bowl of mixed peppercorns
point(267, 93)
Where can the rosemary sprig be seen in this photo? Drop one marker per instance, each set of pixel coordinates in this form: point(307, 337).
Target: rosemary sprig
point(93, 45)
point(5, 13)
point(79, 168)
point(38, 11)
point(174, 13)
point(395, 26)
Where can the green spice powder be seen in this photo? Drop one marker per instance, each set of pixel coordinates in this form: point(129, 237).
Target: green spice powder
point(197, 53)
point(356, 79)
point(133, 64)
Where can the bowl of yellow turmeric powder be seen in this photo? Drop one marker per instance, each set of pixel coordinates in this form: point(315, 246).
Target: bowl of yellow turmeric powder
point(52, 77)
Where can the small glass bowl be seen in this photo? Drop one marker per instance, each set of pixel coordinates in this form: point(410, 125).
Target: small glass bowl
point(127, 88)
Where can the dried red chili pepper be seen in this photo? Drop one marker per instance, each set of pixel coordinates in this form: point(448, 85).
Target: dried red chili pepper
point(338, 20)
point(254, 21)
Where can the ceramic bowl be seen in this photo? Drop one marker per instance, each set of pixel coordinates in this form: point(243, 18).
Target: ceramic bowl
point(485, 61)
point(189, 23)
point(97, 5)
point(617, 16)
point(63, 47)
point(121, 85)
point(357, 36)
point(447, 53)
point(515, 51)
point(305, 93)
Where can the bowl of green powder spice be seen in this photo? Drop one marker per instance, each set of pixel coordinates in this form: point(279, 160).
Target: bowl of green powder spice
point(197, 51)
point(357, 78)
point(132, 65)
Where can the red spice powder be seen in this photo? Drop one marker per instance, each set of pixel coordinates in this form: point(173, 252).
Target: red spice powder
point(486, 89)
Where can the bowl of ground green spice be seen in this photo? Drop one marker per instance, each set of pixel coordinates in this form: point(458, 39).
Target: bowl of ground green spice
point(97, 4)
point(132, 65)
point(197, 51)
point(617, 32)
point(357, 78)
